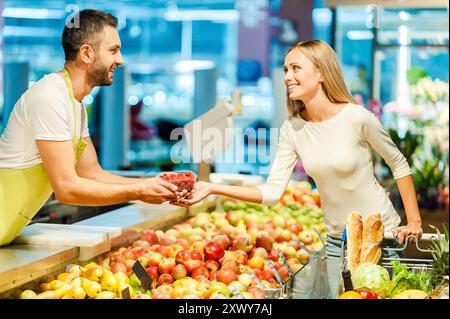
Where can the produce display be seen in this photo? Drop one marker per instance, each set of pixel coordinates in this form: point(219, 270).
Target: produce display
point(211, 255)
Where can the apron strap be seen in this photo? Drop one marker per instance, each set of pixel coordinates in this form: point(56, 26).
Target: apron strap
point(66, 77)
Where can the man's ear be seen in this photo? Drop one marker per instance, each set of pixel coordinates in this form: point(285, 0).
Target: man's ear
point(86, 53)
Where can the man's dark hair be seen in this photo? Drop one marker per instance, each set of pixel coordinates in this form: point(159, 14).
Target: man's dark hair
point(91, 22)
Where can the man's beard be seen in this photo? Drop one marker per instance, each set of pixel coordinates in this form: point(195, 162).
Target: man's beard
point(99, 75)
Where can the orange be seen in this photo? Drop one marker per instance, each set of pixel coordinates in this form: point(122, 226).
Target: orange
point(350, 295)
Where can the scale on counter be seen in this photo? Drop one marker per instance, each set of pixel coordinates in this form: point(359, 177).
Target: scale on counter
point(211, 134)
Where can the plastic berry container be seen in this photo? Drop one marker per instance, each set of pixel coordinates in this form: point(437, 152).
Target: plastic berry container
point(184, 180)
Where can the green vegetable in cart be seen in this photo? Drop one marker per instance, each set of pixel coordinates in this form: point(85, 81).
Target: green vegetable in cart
point(371, 277)
point(403, 279)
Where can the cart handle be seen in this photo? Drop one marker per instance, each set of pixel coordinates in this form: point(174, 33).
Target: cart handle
point(425, 237)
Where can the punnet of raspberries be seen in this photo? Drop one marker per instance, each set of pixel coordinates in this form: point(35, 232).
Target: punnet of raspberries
point(183, 180)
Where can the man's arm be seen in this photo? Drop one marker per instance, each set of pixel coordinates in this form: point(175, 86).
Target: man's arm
point(89, 167)
point(59, 162)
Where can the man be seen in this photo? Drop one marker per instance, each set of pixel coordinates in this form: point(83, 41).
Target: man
point(46, 146)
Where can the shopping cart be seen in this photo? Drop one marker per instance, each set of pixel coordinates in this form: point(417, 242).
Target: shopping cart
point(415, 265)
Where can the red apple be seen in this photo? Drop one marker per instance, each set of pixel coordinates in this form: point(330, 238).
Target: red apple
point(229, 264)
point(154, 259)
point(178, 272)
point(212, 275)
point(192, 264)
point(200, 272)
point(212, 265)
point(173, 250)
point(284, 235)
point(213, 251)
point(302, 256)
point(258, 292)
point(183, 256)
point(226, 276)
point(140, 251)
point(119, 267)
point(268, 274)
point(295, 228)
point(264, 240)
point(118, 258)
point(283, 272)
point(153, 272)
point(166, 265)
point(223, 240)
point(163, 250)
point(165, 279)
point(273, 254)
point(196, 254)
point(150, 236)
point(199, 245)
point(242, 242)
point(129, 254)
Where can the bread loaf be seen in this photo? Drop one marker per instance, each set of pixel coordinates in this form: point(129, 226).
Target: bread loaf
point(373, 231)
point(354, 228)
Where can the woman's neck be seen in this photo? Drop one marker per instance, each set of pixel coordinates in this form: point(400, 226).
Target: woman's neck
point(319, 109)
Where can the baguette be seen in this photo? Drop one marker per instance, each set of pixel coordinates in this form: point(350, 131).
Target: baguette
point(373, 231)
point(354, 227)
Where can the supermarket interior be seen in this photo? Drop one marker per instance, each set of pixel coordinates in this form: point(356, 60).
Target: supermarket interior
point(273, 226)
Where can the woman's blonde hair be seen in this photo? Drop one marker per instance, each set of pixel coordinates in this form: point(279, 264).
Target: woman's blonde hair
point(325, 59)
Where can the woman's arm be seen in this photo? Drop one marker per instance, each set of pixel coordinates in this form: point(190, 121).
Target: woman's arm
point(414, 222)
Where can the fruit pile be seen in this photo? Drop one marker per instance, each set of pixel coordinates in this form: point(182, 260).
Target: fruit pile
point(211, 255)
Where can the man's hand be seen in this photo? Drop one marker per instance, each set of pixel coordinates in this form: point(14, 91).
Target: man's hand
point(201, 191)
point(157, 191)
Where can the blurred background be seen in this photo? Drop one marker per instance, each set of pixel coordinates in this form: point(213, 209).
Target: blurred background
point(180, 56)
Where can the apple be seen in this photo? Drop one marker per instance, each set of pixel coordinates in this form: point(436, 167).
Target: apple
point(283, 272)
point(223, 240)
point(178, 272)
point(117, 258)
point(261, 252)
point(199, 245)
point(256, 262)
point(200, 272)
point(242, 242)
point(212, 265)
point(213, 251)
point(196, 254)
point(212, 275)
point(162, 292)
point(163, 250)
point(165, 279)
point(289, 252)
point(129, 254)
point(141, 243)
point(154, 259)
point(139, 251)
point(232, 217)
point(302, 256)
point(173, 250)
point(293, 244)
point(245, 279)
point(284, 235)
point(226, 276)
point(306, 237)
point(153, 273)
point(264, 240)
point(315, 195)
point(166, 265)
point(241, 257)
point(308, 200)
point(295, 228)
point(183, 256)
point(298, 193)
point(173, 233)
point(119, 267)
point(183, 243)
point(166, 240)
point(150, 236)
point(229, 264)
point(268, 274)
point(192, 264)
point(273, 254)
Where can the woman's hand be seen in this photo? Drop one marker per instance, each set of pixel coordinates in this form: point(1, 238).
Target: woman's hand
point(201, 191)
point(403, 232)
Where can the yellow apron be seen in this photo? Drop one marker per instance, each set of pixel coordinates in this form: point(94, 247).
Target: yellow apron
point(24, 191)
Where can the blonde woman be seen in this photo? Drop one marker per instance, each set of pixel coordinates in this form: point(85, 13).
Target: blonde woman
point(334, 138)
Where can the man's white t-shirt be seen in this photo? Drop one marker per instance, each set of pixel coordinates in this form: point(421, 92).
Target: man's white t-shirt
point(43, 112)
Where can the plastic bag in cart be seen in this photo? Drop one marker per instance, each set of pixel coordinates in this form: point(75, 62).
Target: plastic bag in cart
point(311, 281)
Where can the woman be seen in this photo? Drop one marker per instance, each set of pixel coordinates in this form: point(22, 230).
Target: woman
point(334, 139)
